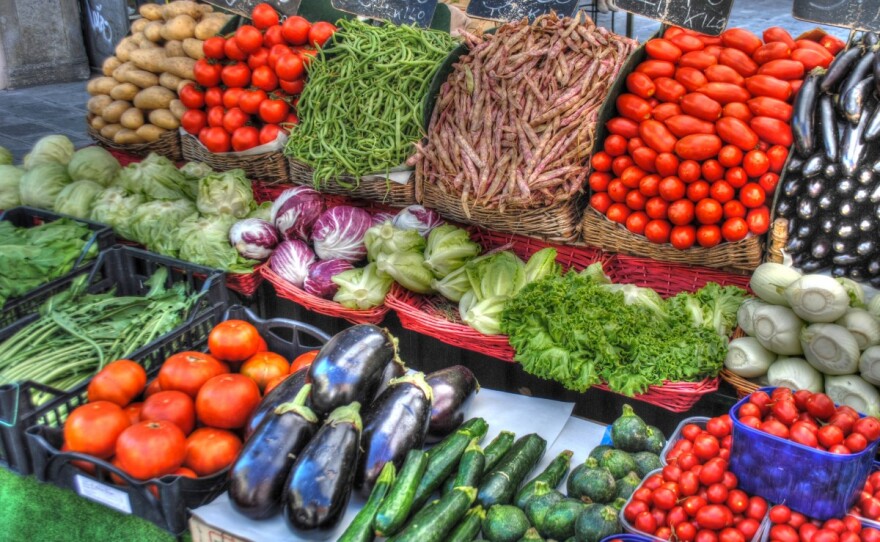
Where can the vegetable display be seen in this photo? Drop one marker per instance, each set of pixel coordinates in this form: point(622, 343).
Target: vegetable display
point(831, 193)
point(786, 525)
point(580, 330)
point(702, 134)
point(499, 138)
point(362, 109)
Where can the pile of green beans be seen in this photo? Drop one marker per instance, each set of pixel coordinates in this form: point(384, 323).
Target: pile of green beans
point(361, 110)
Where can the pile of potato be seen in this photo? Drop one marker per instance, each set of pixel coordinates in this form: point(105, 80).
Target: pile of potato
point(136, 99)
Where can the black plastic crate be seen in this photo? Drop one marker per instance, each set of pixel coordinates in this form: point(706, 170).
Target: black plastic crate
point(125, 269)
point(176, 494)
point(28, 217)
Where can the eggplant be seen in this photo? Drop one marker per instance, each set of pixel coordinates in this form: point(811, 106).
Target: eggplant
point(828, 129)
point(806, 209)
point(821, 248)
point(843, 246)
point(816, 187)
point(876, 71)
point(795, 163)
point(785, 208)
point(867, 224)
point(826, 201)
point(875, 167)
point(872, 130)
point(827, 223)
point(394, 424)
point(865, 176)
point(796, 246)
point(320, 482)
point(866, 247)
point(350, 366)
point(860, 70)
point(839, 68)
point(853, 146)
point(831, 171)
point(256, 480)
point(847, 208)
point(284, 392)
point(394, 369)
point(793, 186)
point(845, 187)
point(861, 195)
point(857, 98)
point(813, 166)
point(454, 387)
point(806, 230)
point(847, 260)
point(874, 196)
point(803, 119)
point(875, 282)
point(847, 229)
point(869, 39)
point(873, 268)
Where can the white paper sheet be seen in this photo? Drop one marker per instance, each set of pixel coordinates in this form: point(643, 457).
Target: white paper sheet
point(580, 436)
point(501, 410)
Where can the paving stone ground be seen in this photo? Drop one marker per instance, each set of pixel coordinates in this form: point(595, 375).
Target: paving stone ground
point(28, 114)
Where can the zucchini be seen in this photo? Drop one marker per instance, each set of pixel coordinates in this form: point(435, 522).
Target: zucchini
point(443, 458)
point(618, 463)
point(627, 485)
point(646, 462)
point(559, 523)
point(435, 521)
point(597, 522)
point(496, 449)
point(552, 475)
point(656, 441)
point(470, 526)
point(470, 468)
point(599, 450)
point(505, 523)
point(394, 510)
point(629, 432)
point(592, 483)
point(361, 527)
point(543, 498)
point(531, 536)
point(448, 484)
point(500, 485)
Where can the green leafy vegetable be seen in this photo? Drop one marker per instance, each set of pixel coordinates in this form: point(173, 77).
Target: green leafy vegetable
point(449, 248)
point(93, 164)
point(385, 239)
point(115, 207)
point(499, 275)
point(408, 269)
point(155, 224)
point(41, 185)
point(5, 157)
point(10, 182)
point(156, 177)
point(362, 288)
point(542, 264)
point(51, 149)
point(205, 240)
point(228, 193)
point(77, 197)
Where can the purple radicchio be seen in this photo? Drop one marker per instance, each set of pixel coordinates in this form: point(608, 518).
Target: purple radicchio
point(295, 212)
point(320, 283)
point(291, 261)
point(339, 233)
point(416, 217)
point(253, 238)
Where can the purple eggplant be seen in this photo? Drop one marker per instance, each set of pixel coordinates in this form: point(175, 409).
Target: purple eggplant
point(394, 369)
point(320, 481)
point(394, 424)
point(453, 388)
point(860, 70)
point(350, 366)
point(803, 123)
point(256, 480)
point(284, 392)
point(828, 128)
point(839, 68)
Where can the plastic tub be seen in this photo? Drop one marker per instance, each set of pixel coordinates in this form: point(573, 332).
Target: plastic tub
point(875, 523)
point(700, 421)
point(176, 494)
point(628, 538)
point(817, 484)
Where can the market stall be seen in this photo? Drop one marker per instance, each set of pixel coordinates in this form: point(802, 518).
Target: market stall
point(346, 272)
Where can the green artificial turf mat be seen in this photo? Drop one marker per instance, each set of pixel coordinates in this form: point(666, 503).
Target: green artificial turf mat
point(35, 512)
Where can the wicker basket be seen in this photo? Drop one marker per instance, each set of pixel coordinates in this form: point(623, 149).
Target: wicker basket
point(270, 167)
point(667, 278)
point(378, 190)
point(674, 396)
point(558, 223)
point(743, 386)
point(168, 145)
point(741, 257)
point(246, 284)
point(327, 307)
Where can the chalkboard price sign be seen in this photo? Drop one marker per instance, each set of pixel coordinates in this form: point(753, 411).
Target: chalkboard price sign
point(244, 7)
point(854, 14)
point(420, 12)
point(514, 10)
point(106, 24)
point(706, 16)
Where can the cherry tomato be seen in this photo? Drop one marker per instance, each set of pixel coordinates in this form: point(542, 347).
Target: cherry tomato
point(856, 442)
point(697, 191)
point(715, 517)
point(658, 231)
point(671, 188)
point(869, 427)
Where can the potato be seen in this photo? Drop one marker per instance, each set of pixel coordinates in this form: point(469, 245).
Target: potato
point(110, 64)
point(119, 72)
point(124, 91)
point(154, 98)
point(97, 122)
point(133, 118)
point(179, 28)
point(177, 109)
point(109, 130)
point(96, 104)
point(180, 66)
point(141, 78)
point(126, 136)
point(206, 9)
point(194, 48)
point(148, 132)
point(125, 47)
point(210, 25)
point(100, 85)
point(183, 83)
point(153, 31)
point(149, 59)
point(152, 12)
point(174, 48)
point(163, 118)
point(138, 25)
point(113, 112)
point(139, 37)
point(169, 81)
point(147, 44)
point(181, 7)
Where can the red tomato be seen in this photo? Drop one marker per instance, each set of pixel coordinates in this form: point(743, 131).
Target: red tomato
point(689, 171)
point(730, 156)
point(776, 33)
point(645, 522)
point(173, 406)
point(697, 59)
point(856, 442)
point(698, 147)
point(736, 176)
point(234, 118)
point(600, 201)
point(768, 182)
point(681, 212)
point(320, 33)
point(213, 48)
point(709, 211)
point(233, 51)
point(658, 231)
point(233, 340)
point(264, 16)
point(686, 42)
point(599, 181)
point(683, 237)
point(771, 51)
point(296, 30)
point(725, 93)
point(766, 85)
point(656, 207)
point(662, 49)
point(758, 220)
point(645, 158)
point(633, 107)
point(93, 428)
point(671, 188)
point(736, 132)
point(742, 39)
point(615, 145)
point(236, 75)
point(869, 427)
point(274, 111)
point(217, 139)
point(290, 67)
point(635, 200)
point(248, 38)
point(264, 78)
point(720, 73)
point(737, 110)
point(273, 36)
point(784, 69)
point(656, 68)
point(152, 388)
point(640, 84)
point(734, 229)
point(249, 101)
point(712, 170)
point(258, 58)
point(829, 435)
point(209, 450)
point(617, 190)
point(668, 90)
point(636, 222)
point(666, 164)
point(206, 74)
point(664, 111)
point(620, 163)
point(244, 138)
point(151, 449)
point(188, 371)
point(601, 161)
point(231, 97)
point(618, 212)
point(715, 517)
point(226, 401)
point(683, 125)
point(691, 78)
point(833, 44)
point(119, 382)
point(697, 190)
point(263, 366)
point(752, 195)
point(722, 192)
point(701, 106)
point(214, 97)
point(192, 97)
point(708, 235)
point(739, 61)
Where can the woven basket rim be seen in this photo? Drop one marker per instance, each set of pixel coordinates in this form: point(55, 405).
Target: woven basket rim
point(169, 138)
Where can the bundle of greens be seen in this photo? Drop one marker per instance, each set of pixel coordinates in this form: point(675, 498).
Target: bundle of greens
point(78, 332)
point(34, 256)
point(580, 330)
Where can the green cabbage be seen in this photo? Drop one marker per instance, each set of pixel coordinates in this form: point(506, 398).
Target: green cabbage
point(227, 193)
point(454, 285)
point(501, 274)
point(448, 249)
point(484, 315)
point(77, 197)
point(263, 211)
point(362, 288)
point(204, 240)
point(51, 149)
point(196, 170)
point(385, 239)
point(93, 164)
point(42, 184)
point(116, 207)
point(542, 264)
point(408, 269)
point(154, 224)
point(5, 157)
point(156, 177)
point(10, 181)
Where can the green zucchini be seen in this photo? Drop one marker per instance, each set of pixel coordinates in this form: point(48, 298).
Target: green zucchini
point(448, 484)
point(469, 527)
point(443, 458)
point(559, 522)
point(361, 527)
point(592, 483)
point(552, 476)
point(496, 449)
point(435, 521)
point(394, 510)
point(629, 432)
point(656, 441)
point(470, 468)
point(531, 536)
point(597, 522)
point(543, 498)
point(500, 484)
point(505, 523)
